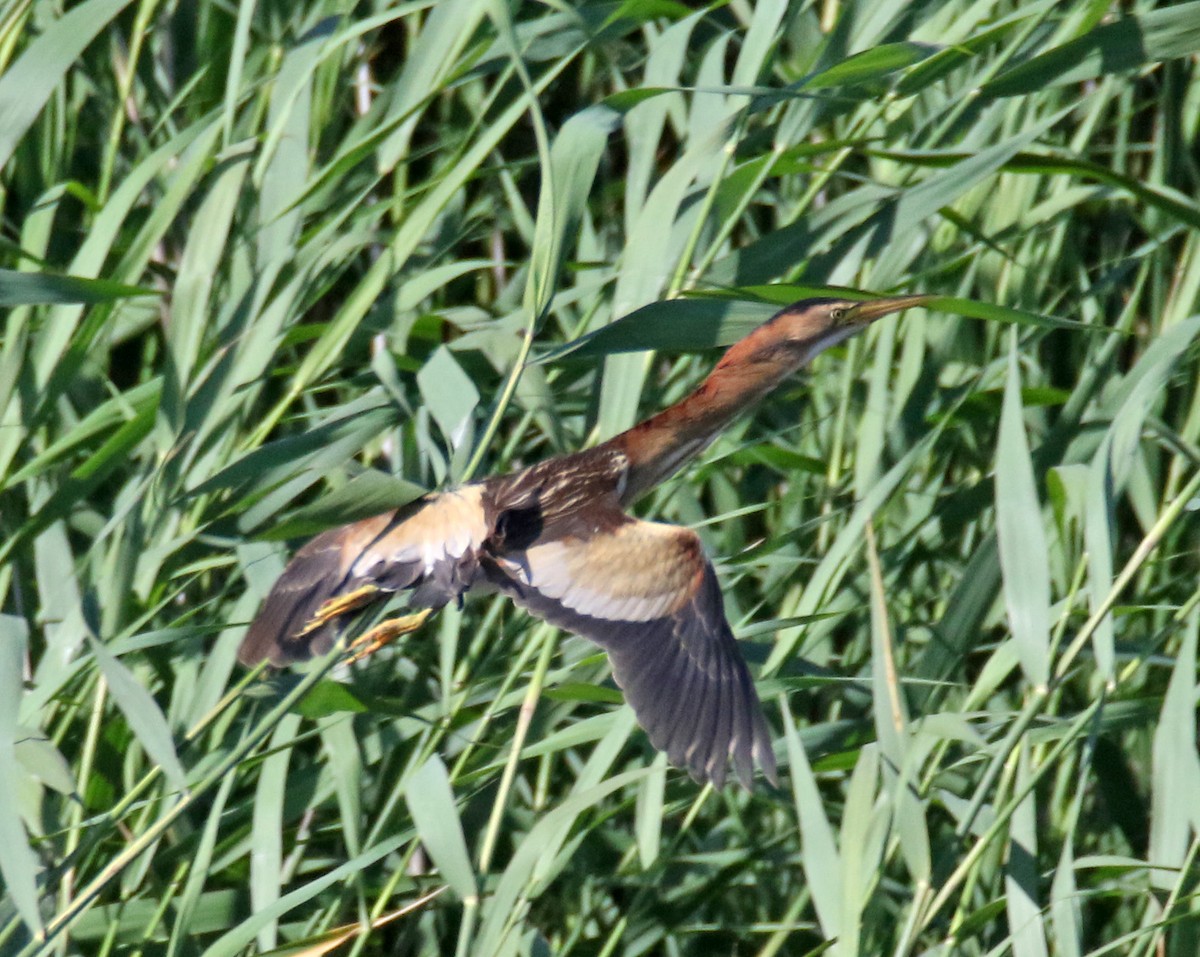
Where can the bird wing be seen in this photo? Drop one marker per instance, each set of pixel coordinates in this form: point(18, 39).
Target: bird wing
point(431, 546)
point(647, 594)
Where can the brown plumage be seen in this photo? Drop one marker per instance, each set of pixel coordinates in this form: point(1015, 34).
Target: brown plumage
point(556, 539)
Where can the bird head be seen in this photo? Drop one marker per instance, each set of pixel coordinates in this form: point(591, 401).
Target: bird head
point(796, 334)
point(816, 324)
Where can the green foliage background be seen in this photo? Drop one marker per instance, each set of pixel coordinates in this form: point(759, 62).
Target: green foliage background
point(274, 265)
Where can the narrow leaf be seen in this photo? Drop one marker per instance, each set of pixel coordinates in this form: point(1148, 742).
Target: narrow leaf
point(1026, 925)
point(435, 815)
point(18, 864)
point(1129, 44)
point(27, 84)
point(142, 714)
point(1021, 537)
point(36, 288)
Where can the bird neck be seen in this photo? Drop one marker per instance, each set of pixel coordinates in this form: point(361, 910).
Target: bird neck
point(664, 443)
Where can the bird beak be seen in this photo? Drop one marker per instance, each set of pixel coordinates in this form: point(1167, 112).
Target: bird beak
point(866, 312)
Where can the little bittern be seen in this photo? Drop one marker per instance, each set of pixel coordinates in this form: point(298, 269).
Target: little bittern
point(555, 537)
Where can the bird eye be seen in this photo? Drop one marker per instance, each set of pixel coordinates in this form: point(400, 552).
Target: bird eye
point(837, 315)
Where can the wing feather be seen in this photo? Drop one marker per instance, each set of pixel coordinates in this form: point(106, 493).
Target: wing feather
point(723, 729)
point(691, 699)
point(704, 739)
point(648, 595)
point(748, 728)
point(660, 668)
point(663, 673)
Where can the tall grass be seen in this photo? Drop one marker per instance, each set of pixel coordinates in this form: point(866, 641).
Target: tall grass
point(274, 266)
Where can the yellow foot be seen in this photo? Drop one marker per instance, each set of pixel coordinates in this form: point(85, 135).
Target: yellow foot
point(385, 633)
point(338, 606)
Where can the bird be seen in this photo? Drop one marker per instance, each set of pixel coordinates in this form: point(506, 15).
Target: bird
point(557, 538)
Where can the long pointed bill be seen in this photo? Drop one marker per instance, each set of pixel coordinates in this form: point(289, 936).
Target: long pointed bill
point(865, 312)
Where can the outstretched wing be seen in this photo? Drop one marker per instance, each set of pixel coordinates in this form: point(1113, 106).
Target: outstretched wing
point(647, 594)
point(431, 546)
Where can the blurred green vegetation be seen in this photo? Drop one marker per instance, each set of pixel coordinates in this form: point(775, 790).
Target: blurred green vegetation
point(272, 266)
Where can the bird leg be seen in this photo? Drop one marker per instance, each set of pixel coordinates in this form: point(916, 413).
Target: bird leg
point(340, 605)
point(385, 633)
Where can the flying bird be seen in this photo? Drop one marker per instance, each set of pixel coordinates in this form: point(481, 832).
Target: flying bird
point(557, 539)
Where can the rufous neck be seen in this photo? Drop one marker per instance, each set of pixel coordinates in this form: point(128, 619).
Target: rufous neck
point(664, 443)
